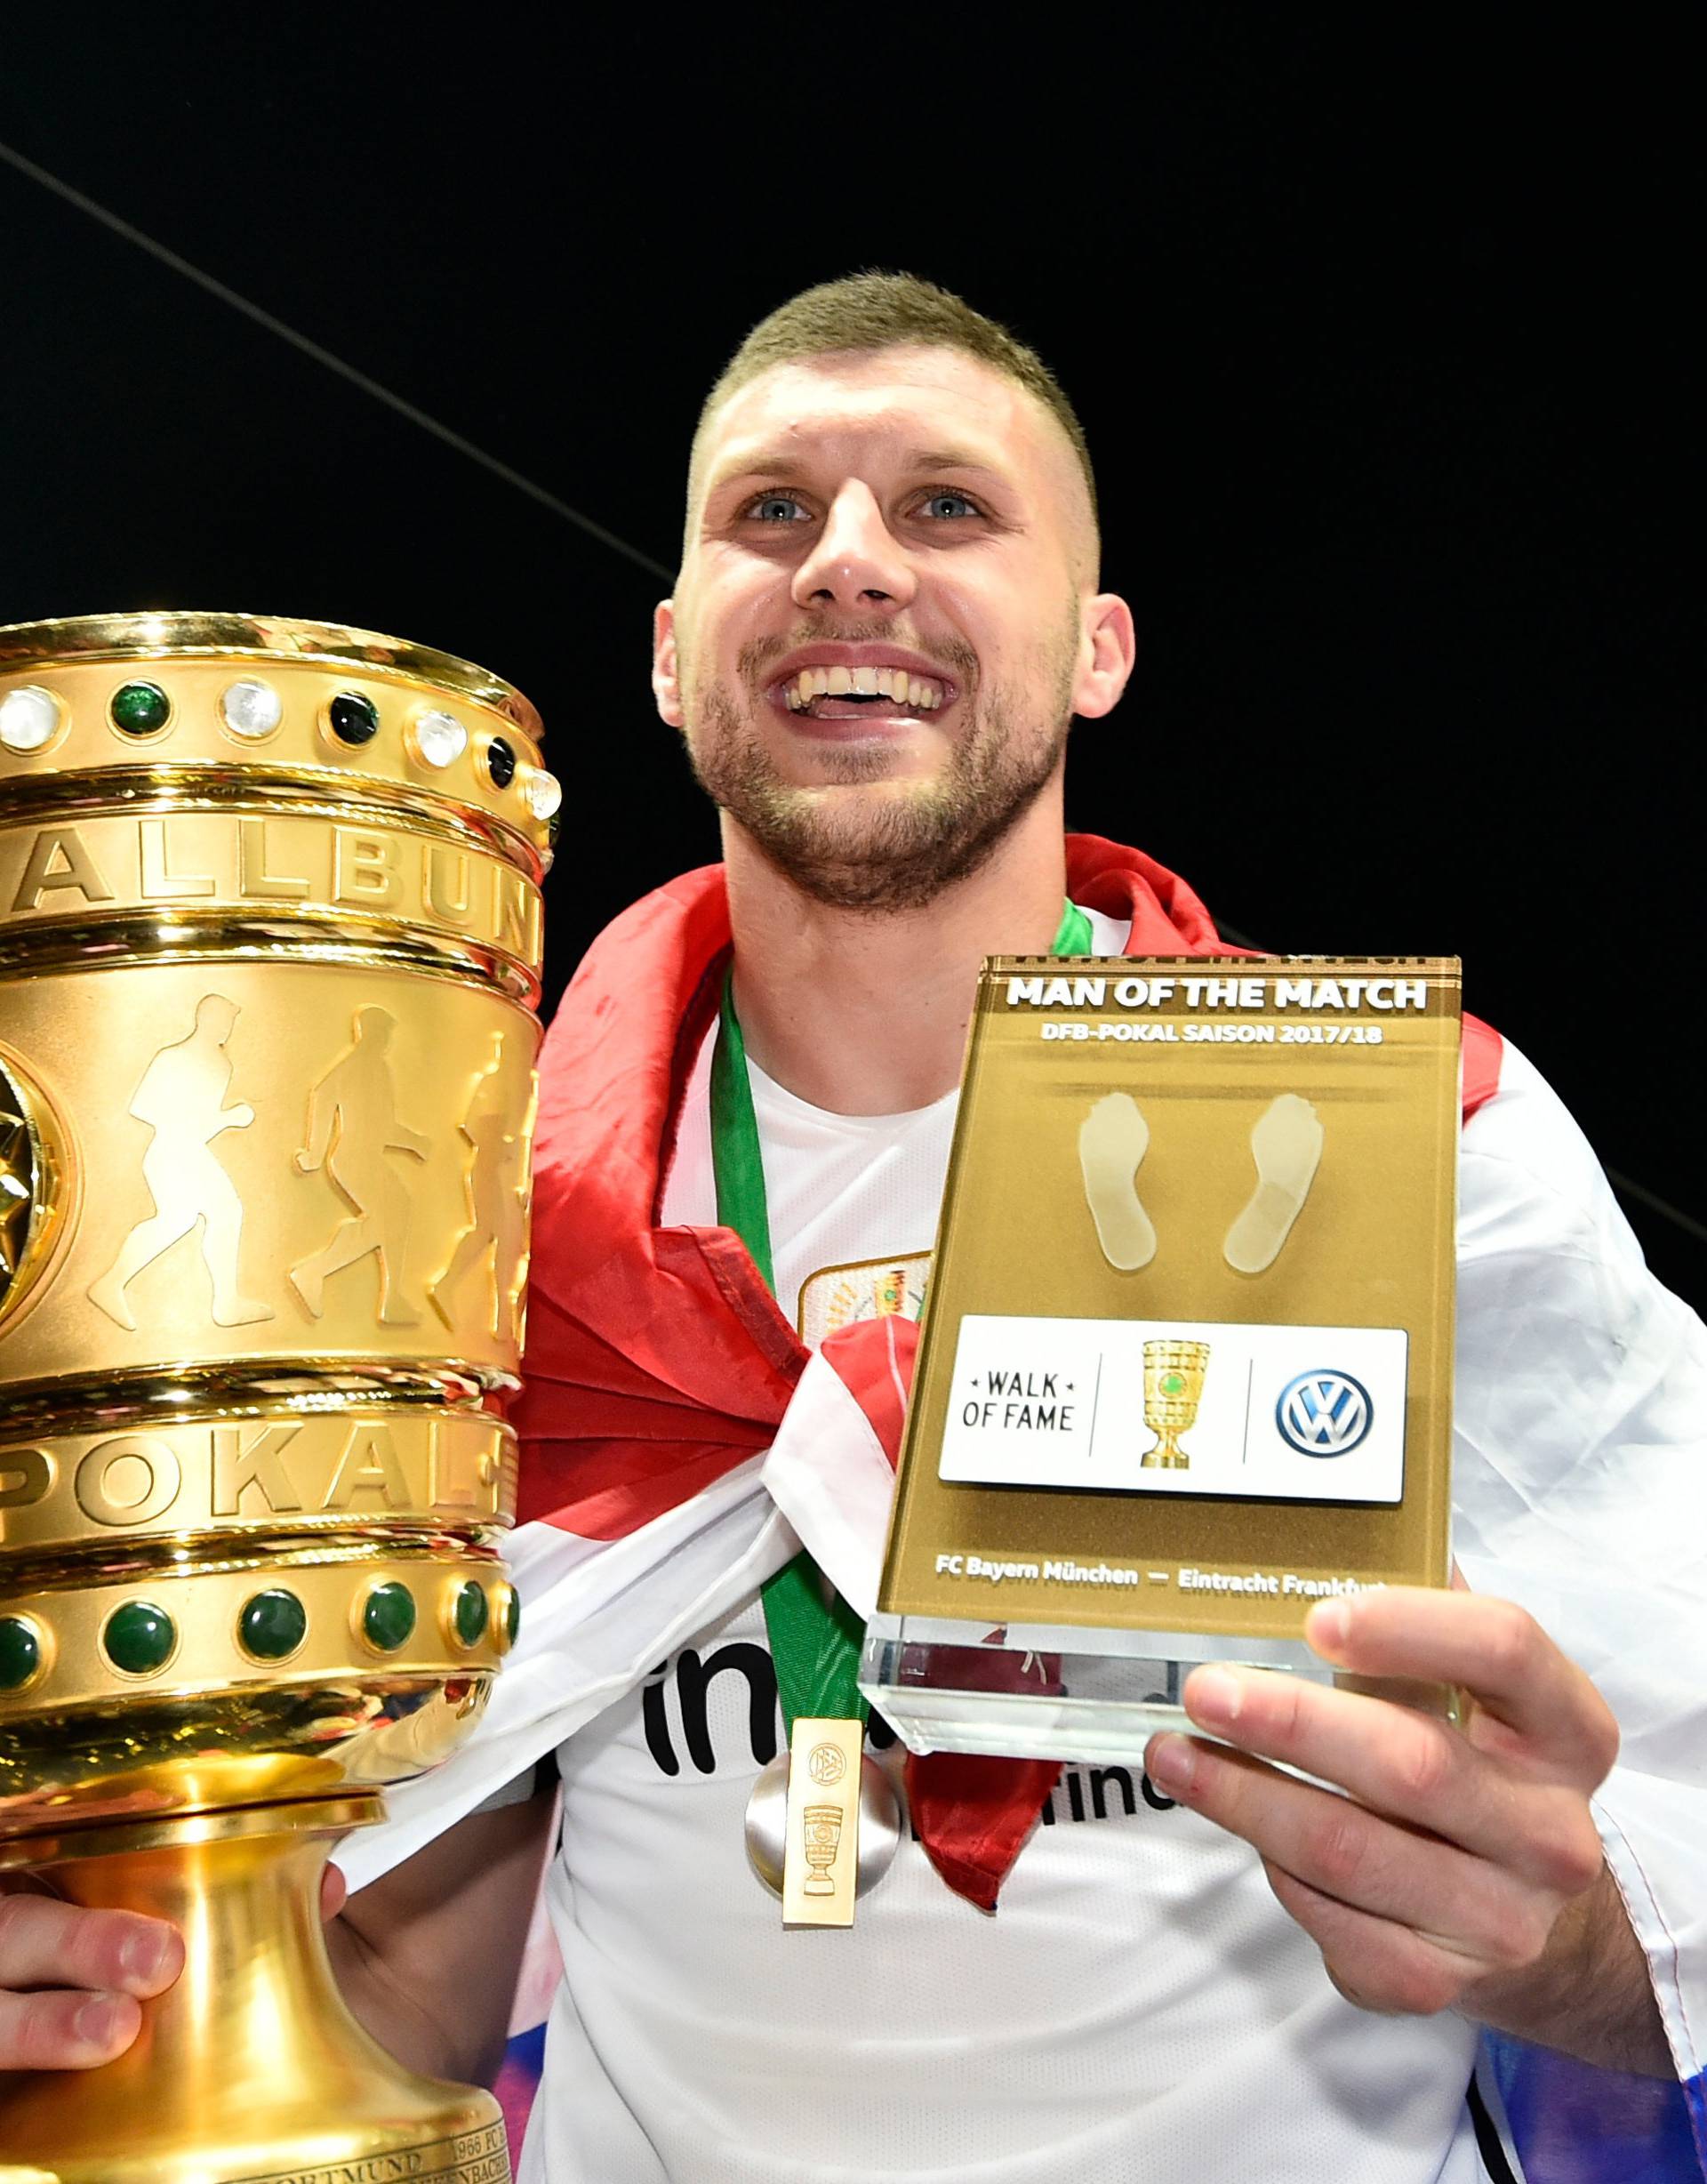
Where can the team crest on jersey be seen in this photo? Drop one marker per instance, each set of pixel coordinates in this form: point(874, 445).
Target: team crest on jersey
point(838, 1296)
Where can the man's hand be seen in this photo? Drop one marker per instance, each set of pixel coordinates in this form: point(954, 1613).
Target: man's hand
point(1440, 1881)
point(72, 1981)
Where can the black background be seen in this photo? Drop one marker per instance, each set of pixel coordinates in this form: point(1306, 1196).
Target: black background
point(1376, 328)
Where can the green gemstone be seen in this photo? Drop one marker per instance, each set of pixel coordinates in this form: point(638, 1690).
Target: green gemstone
point(471, 1612)
point(272, 1625)
point(1172, 1383)
point(513, 1616)
point(140, 708)
point(20, 1653)
point(389, 1617)
point(140, 1637)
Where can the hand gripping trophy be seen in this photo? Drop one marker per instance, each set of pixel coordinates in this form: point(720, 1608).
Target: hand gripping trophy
point(269, 948)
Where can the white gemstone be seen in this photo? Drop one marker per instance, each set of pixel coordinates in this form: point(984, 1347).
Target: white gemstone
point(251, 708)
point(544, 794)
point(29, 717)
point(440, 739)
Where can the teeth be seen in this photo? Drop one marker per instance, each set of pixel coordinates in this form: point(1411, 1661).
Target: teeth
point(918, 691)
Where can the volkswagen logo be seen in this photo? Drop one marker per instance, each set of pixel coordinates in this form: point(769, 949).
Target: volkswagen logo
point(1324, 1413)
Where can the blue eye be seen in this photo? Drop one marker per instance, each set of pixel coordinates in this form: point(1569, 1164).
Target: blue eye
point(777, 507)
point(949, 506)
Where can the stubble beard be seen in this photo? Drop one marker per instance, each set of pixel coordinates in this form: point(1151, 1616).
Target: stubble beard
point(899, 846)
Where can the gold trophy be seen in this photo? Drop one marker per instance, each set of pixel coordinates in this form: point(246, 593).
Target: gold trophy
point(270, 949)
point(1173, 1389)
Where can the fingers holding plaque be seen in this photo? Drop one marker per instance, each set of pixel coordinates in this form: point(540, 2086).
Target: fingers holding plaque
point(1152, 1427)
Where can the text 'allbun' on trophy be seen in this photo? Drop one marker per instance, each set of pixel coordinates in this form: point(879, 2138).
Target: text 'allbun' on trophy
point(1186, 1365)
point(270, 956)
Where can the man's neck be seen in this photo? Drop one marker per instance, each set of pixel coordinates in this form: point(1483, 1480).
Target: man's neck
point(865, 1012)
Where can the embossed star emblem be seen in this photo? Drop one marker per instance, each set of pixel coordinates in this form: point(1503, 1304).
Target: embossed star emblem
point(17, 1187)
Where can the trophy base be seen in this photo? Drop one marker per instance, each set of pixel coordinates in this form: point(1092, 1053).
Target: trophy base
point(1051, 1691)
point(249, 2071)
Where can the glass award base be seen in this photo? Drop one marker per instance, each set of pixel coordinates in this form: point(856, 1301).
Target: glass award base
point(1047, 1690)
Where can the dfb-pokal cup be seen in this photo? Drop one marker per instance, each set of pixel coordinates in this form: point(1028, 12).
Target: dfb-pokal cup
point(269, 955)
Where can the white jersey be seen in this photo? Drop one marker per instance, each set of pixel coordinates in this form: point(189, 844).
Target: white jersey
point(1139, 2008)
point(839, 1190)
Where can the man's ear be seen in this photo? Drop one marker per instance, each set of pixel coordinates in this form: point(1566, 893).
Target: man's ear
point(1108, 647)
point(666, 683)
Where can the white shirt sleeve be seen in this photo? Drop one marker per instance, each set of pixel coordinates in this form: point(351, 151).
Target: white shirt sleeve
point(1580, 1492)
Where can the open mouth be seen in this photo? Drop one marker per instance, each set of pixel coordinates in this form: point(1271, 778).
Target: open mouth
point(861, 692)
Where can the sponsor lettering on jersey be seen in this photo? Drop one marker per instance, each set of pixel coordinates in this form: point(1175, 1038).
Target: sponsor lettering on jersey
point(718, 1710)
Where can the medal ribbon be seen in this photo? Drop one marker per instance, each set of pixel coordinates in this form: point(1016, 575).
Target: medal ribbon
point(815, 1636)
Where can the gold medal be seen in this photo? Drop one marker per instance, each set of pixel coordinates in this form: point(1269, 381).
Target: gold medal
point(822, 1857)
point(823, 1823)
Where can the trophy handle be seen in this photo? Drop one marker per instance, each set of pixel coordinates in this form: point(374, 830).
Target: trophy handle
point(250, 2067)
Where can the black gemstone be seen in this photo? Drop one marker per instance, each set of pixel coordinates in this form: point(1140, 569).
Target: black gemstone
point(354, 719)
point(501, 762)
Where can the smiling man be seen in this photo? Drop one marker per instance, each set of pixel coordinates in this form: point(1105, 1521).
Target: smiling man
point(891, 612)
point(887, 614)
point(915, 512)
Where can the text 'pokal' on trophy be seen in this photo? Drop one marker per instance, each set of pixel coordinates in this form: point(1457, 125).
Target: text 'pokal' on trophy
point(269, 952)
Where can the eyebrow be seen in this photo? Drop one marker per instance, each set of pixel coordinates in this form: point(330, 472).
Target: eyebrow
point(786, 467)
point(949, 459)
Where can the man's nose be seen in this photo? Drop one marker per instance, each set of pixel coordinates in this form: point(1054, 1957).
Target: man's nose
point(856, 562)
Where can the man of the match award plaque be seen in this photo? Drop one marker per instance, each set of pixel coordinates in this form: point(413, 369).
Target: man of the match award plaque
point(1186, 1360)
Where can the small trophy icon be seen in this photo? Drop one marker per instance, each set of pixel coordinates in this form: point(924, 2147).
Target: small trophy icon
point(1173, 1375)
point(823, 1839)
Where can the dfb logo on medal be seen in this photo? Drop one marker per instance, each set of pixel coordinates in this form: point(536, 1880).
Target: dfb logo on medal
point(1324, 1413)
point(826, 1765)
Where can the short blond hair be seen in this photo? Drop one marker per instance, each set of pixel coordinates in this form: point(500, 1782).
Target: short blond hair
point(867, 312)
